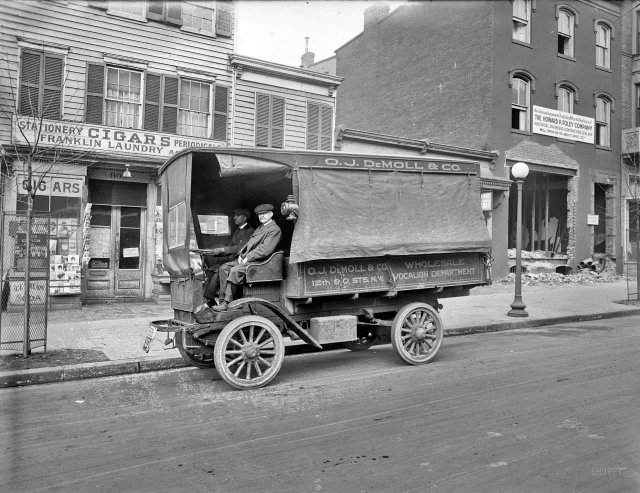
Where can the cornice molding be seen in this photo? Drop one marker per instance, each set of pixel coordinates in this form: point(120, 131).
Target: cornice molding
point(244, 63)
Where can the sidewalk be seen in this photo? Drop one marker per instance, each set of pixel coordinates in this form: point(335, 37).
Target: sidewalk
point(114, 332)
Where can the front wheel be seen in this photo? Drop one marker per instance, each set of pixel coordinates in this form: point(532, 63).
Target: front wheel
point(416, 333)
point(249, 352)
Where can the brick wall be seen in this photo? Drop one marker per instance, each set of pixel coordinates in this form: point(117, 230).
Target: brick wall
point(425, 82)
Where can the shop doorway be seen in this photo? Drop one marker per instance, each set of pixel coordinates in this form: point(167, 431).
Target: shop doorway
point(603, 204)
point(115, 269)
point(544, 214)
point(115, 265)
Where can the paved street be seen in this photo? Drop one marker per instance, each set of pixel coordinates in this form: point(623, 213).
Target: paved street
point(551, 409)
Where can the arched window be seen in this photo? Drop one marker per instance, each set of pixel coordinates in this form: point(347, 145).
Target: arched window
point(566, 98)
point(603, 45)
point(566, 29)
point(522, 20)
point(603, 121)
point(520, 103)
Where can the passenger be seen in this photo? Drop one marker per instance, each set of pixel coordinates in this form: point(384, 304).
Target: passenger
point(261, 245)
point(239, 238)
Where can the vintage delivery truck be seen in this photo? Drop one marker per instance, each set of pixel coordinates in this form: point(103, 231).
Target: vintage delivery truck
point(370, 244)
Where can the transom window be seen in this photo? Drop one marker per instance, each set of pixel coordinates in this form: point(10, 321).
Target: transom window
point(603, 120)
point(566, 27)
point(123, 98)
point(194, 110)
point(522, 20)
point(603, 43)
point(566, 98)
point(520, 103)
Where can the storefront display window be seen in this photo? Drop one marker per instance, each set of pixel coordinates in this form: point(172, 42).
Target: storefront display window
point(61, 198)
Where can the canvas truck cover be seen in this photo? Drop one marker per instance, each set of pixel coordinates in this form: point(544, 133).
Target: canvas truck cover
point(349, 213)
point(360, 206)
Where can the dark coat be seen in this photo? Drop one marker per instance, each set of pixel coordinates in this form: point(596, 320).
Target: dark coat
point(238, 240)
point(263, 242)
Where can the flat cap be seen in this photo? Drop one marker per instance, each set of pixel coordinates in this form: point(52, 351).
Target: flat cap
point(264, 208)
point(242, 212)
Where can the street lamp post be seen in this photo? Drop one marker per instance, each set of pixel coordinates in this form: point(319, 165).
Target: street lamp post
point(519, 171)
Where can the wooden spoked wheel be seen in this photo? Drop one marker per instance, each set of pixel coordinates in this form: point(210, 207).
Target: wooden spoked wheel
point(416, 333)
point(249, 352)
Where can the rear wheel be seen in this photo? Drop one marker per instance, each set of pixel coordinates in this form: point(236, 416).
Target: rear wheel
point(201, 356)
point(249, 352)
point(416, 333)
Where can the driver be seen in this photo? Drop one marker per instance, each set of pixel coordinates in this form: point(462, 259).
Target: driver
point(239, 238)
point(261, 245)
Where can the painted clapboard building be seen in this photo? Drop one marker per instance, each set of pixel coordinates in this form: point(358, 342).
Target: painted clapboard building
point(111, 89)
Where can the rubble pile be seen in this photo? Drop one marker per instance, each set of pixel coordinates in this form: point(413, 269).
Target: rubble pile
point(553, 278)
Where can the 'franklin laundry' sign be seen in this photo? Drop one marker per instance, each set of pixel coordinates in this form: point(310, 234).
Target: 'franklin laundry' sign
point(69, 135)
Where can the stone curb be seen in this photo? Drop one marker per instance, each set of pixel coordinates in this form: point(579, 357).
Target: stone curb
point(66, 373)
point(532, 323)
point(81, 371)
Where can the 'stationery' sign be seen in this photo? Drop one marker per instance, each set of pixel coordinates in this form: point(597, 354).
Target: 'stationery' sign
point(80, 136)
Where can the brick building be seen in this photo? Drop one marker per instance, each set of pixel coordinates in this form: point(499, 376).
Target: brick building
point(534, 81)
point(630, 115)
point(109, 90)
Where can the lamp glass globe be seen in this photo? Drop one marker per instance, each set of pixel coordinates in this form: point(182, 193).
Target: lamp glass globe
point(520, 170)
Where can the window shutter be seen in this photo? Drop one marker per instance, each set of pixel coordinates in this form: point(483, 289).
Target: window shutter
point(53, 81)
point(30, 84)
point(174, 13)
point(95, 93)
point(277, 123)
point(154, 11)
point(326, 117)
point(152, 103)
point(170, 105)
point(220, 112)
point(262, 120)
point(224, 21)
point(312, 126)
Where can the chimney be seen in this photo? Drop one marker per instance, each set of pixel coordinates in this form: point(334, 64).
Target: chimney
point(306, 60)
point(375, 13)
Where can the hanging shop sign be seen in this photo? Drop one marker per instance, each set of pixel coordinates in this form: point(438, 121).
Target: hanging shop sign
point(563, 125)
point(67, 135)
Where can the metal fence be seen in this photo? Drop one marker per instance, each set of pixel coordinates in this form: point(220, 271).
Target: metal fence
point(16, 316)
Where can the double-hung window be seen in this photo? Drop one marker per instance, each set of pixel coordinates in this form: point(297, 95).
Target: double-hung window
point(41, 83)
point(158, 103)
point(522, 20)
point(520, 103)
point(123, 98)
point(566, 98)
point(603, 45)
point(269, 121)
point(194, 112)
point(603, 121)
point(319, 126)
point(566, 28)
point(198, 17)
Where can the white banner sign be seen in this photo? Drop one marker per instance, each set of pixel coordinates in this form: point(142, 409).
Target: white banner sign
point(57, 186)
point(68, 135)
point(563, 125)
